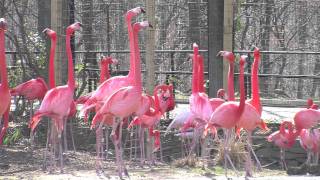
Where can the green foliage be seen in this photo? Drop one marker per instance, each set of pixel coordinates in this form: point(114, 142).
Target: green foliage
point(79, 68)
point(13, 138)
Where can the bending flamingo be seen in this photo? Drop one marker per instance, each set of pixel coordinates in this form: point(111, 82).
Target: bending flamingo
point(104, 75)
point(284, 138)
point(309, 141)
point(56, 103)
point(164, 102)
point(4, 86)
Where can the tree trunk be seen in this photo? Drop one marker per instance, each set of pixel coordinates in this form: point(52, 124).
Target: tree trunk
point(194, 21)
point(302, 13)
point(265, 42)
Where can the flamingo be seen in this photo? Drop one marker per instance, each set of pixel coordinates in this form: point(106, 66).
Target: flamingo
point(251, 117)
point(311, 104)
point(108, 87)
point(306, 118)
point(309, 141)
point(104, 75)
point(229, 113)
point(164, 102)
point(284, 138)
point(124, 102)
point(4, 86)
point(57, 101)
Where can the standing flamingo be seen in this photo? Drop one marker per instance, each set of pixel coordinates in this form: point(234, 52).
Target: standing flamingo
point(56, 103)
point(124, 102)
point(164, 101)
point(284, 138)
point(111, 85)
point(251, 117)
point(4, 86)
point(229, 113)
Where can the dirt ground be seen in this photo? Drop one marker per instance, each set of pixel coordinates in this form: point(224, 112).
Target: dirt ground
point(20, 163)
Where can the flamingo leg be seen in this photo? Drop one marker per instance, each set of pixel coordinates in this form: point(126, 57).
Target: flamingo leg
point(47, 147)
point(72, 139)
point(123, 167)
point(98, 147)
point(64, 134)
point(282, 159)
point(31, 132)
point(116, 146)
point(252, 151)
point(131, 144)
point(60, 152)
point(135, 142)
point(141, 141)
point(107, 142)
point(226, 152)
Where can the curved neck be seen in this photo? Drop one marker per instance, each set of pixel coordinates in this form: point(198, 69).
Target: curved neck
point(242, 91)
point(104, 73)
point(71, 81)
point(3, 66)
point(255, 84)
point(131, 47)
point(137, 69)
point(195, 87)
point(231, 82)
point(52, 82)
point(201, 76)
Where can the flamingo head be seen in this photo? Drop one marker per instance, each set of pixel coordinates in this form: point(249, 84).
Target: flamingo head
point(165, 97)
point(106, 60)
point(134, 12)
point(227, 54)
point(73, 27)
point(242, 60)
point(52, 34)
point(256, 53)
point(195, 48)
point(3, 24)
point(221, 93)
point(143, 24)
point(309, 103)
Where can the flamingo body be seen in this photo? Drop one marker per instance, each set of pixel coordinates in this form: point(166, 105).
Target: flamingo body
point(31, 90)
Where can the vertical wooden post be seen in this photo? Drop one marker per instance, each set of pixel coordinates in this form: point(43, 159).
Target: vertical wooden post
point(150, 45)
point(58, 25)
point(227, 37)
point(150, 65)
point(215, 44)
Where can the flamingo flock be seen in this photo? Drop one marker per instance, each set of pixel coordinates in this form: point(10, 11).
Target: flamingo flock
point(119, 99)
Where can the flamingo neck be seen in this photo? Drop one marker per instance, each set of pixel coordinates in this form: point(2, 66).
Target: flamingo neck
point(52, 82)
point(255, 85)
point(131, 47)
point(3, 66)
point(104, 73)
point(137, 63)
point(195, 64)
point(201, 76)
point(242, 91)
point(71, 81)
point(231, 82)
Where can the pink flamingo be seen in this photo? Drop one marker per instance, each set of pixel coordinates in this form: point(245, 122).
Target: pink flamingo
point(251, 117)
point(311, 104)
point(284, 138)
point(124, 102)
point(4, 86)
point(229, 113)
point(309, 140)
point(306, 118)
point(108, 87)
point(104, 75)
point(164, 102)
point(57, 101)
